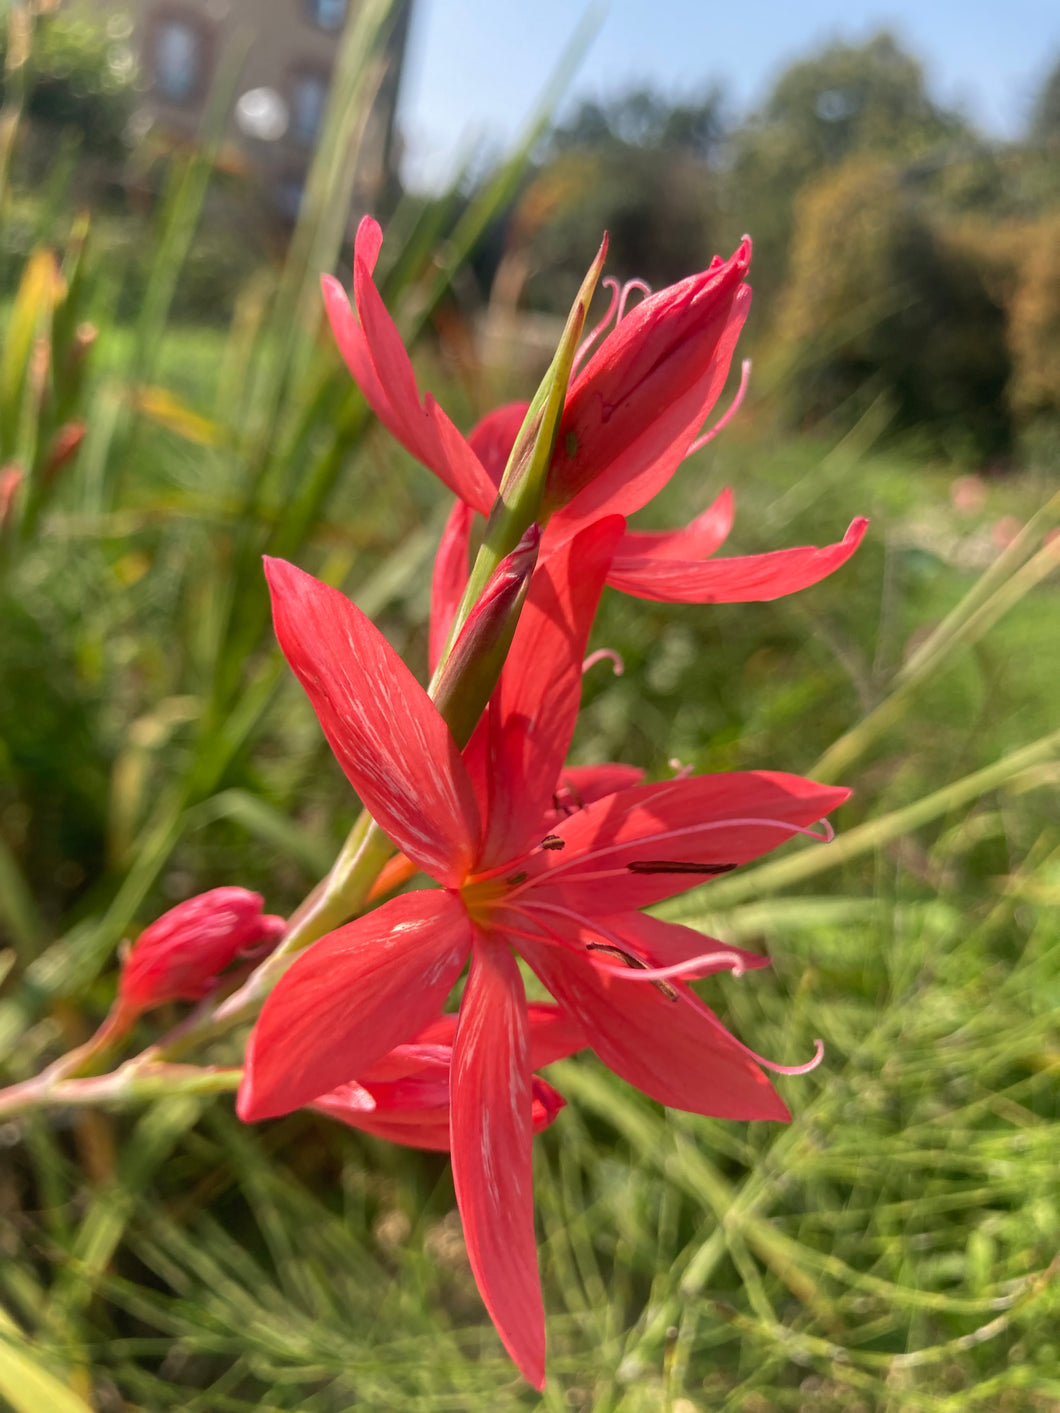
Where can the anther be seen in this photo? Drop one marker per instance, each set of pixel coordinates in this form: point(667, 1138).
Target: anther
point(634, 963)
point(553, 841)
point(516, 879)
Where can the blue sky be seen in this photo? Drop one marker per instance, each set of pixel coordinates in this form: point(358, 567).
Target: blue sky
point(476, 67)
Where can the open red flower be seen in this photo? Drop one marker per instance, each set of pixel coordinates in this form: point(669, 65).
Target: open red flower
point(404, 1097)
point(631, 416)
point(566, 897)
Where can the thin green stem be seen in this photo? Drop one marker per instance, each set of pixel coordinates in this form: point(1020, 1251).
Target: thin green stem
point(797, 868)
point(997, 591)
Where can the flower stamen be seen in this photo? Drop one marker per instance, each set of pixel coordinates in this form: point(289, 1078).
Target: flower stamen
point(727, 416)
point(617, 664)
point(635, 963)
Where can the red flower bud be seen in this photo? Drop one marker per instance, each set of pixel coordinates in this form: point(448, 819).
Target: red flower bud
point(11, 477)
point(179, 957)
point(64, 445)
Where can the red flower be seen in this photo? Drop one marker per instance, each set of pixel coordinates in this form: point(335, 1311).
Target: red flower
point(632, 415)
point(179, 957)
point(639, 402)
point(405, 1096)
point(564, 896)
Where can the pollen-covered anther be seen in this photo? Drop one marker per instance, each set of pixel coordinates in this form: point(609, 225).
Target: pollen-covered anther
point(678, 866)
point(553, 841)
point(633, 962)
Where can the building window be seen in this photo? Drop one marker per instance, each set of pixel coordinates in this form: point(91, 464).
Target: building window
point(178, 59)
point(309, 97)
point(328, 14)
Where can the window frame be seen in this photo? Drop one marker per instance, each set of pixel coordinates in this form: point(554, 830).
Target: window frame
point(201, 27)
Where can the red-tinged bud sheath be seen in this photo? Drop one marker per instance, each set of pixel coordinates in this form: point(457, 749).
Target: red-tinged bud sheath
point(524, 481)
point(11, 477)
point(467, 676)
point(179, 957)
point(64, 445)
point(652, 362)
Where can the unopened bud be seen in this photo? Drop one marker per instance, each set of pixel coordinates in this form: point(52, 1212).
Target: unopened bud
point(85, 336)
point(522, 487)
point(11, 477)
point(469, 672)
point(64, 444)
point(180, 956)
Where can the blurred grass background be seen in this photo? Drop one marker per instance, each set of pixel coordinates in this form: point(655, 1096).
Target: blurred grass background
point(895, 1246)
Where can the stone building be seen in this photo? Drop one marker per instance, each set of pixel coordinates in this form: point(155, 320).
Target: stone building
point(282, 93)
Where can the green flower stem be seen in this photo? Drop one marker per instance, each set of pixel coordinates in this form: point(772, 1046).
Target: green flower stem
point(135, 1082)
point(797, 868)
point(519, 500)
point(998, 590)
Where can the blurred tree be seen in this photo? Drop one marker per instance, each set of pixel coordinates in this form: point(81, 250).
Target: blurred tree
point(641, 168)
point(1045, 117)
point(880, 302)
point(80, 77)
point(1034, 326)
point(848, 99)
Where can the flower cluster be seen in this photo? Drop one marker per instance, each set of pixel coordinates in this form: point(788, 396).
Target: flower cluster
point(529, 867)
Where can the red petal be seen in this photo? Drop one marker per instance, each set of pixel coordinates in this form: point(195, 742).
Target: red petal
point(585, 783)
point(396, 750)
point(368, 241)
point(449, 578)
point(456, 463)
point(699, 538)
point(352, 345)
point(440, 1031)
point(430, 1128)
point(380, 366)
point(422, 428)
point(547, 1104)
point(351, 998)
point(493, 437)
point(724, 819)
point(533, 712)
point(647, 461)
point(553, 1035)
point(491, 1135)
point(677, 1052)
point(750, 578)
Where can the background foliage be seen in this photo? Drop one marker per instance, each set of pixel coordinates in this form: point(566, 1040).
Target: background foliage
point(895, 1246)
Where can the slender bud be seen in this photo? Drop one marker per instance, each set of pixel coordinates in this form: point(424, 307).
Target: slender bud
point(466, 677)
point(522, 487)
point(64, 445)
point(179, 957)
point(11, 477)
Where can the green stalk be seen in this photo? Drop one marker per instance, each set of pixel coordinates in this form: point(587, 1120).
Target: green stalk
point(807, 863)
point(518, 504)
point(990, 597)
